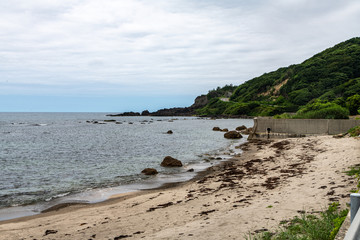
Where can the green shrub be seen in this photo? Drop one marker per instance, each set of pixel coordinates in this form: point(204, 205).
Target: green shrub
point(354, 132)
point(283, 116)
point(336, 112)
point(353, 104)
point(214, 107)
point(319, 109)
point(240, 108)
point(324, 226)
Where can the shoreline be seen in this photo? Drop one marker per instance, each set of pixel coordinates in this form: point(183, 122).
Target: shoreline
point(272, 181)
point(150, 184)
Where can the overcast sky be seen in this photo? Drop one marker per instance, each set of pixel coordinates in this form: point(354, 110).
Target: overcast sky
point(121, 55)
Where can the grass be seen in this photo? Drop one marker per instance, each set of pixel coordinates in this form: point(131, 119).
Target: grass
point(354, 132)
point(355, 171)
point(322, 226)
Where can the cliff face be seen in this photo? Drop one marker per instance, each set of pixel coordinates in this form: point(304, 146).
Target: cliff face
point(200, 102)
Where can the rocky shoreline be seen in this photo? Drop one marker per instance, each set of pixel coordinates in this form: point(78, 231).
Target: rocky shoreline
point(271, 182)
point(199, 102)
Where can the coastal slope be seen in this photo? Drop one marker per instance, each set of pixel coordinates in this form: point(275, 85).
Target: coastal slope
point(272, 181)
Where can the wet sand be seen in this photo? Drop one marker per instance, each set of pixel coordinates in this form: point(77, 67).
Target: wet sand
point(272, 181)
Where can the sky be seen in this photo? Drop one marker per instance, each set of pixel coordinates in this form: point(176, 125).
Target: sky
point(134, 55)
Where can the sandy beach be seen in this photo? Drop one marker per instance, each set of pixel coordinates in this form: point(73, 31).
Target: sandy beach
point(272, 181)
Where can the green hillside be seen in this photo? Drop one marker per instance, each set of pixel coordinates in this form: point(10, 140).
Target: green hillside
point(328, 82)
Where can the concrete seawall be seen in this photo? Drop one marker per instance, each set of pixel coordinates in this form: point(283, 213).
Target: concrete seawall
point(299, 127)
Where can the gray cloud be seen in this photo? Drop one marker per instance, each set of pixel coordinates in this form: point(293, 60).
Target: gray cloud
point(172, 47)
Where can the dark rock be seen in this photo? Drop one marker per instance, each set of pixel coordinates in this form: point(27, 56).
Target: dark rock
point(129, 114)
point(190, 170)
point(339, 136)
point(149, 171)
point(122, 236)
point(47, 232)
point(246, 131)
point(171, 162)
point(145, 113)
point(174, 112)
point(111, 120)
point(200, 101)
point(224, 130)
point(232, 135)
point(241, 128)
point(169, 132)
point(216, 129)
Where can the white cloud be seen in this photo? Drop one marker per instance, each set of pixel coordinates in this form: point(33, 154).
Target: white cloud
point(174, 47)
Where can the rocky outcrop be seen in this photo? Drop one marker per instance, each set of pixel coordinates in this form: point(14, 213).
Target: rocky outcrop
point(247, 131)
point(232, 135)
point(171, 162)
point(216, 129)
point(149, 171)
point(174, 112)
point(129, 114)
point(200, 102)
point(243, 127)
point(145, 113)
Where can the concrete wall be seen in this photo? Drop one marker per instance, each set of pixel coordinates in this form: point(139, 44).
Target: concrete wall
point(304, 126)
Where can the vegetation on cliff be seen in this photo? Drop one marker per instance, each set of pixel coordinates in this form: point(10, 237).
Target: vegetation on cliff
point(325, 86)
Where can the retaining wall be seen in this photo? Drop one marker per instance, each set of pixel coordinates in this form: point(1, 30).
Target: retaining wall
point(303, 126)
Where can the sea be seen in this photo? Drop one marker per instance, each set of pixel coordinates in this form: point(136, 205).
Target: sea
point(48, 159)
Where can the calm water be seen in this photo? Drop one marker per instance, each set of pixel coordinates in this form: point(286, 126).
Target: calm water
point(45, 156)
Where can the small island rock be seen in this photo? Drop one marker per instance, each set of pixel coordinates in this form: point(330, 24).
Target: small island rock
point(241, 128)
point(169, 132)
point(232, 135)
point(171, 162)
point(216, 129)
point(149, 171)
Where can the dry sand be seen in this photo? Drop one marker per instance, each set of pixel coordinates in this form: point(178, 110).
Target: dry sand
point(270, 182)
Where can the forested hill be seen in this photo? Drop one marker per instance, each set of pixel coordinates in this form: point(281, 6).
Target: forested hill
point(330, 79)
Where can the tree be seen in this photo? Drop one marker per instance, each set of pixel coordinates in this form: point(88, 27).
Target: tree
point(353, 103)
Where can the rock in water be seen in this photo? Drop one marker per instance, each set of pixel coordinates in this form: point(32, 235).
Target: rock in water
point(232, 135)
point(171, 162)
point(216, 129)
point(224, 130)
point(241, 128)
point(149, 171)
point(169, 132)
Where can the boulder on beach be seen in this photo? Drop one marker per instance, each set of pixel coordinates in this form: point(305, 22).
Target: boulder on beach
point(241, 128)
point(171, 162)
point(149, 171)
point(232, 135)
point(247, 131)
point(216, 129)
